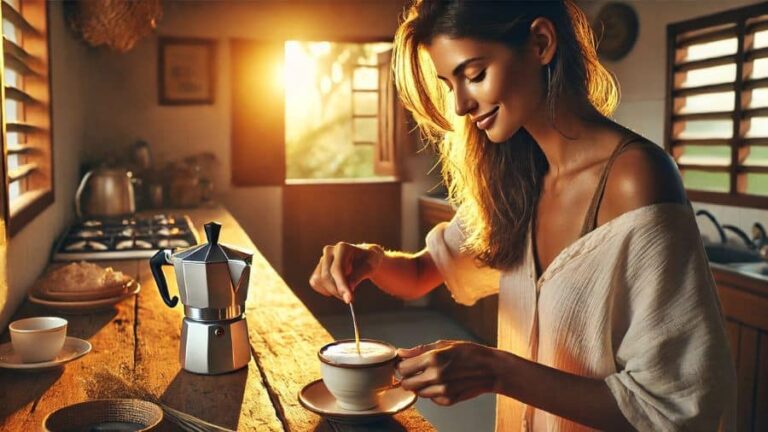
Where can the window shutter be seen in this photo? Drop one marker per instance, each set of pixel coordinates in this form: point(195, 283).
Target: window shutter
point(26, 110)
point(717, 105)
point(386, 153)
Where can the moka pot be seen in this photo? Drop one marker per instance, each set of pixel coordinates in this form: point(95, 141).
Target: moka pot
point(213, 285)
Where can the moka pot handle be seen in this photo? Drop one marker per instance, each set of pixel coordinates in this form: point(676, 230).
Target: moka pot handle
point(156, 263)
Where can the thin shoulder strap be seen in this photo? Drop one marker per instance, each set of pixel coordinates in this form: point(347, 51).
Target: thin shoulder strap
point(590, 220)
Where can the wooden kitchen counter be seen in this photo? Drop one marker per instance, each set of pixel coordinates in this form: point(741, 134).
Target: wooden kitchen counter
point(136, 350)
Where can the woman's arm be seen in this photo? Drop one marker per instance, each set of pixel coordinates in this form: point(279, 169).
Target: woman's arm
point(407, 276)
point(343, 266)
point(452, 371)
point(587, 401)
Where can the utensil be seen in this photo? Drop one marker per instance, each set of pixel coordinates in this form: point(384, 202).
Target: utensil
point(105, 192)
point(105, 414)
point(213, 284)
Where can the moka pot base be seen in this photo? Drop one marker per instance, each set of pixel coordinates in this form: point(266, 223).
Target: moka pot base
point(214, 347)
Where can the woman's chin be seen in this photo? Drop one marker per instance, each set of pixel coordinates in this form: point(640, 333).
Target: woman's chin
point(498, 137)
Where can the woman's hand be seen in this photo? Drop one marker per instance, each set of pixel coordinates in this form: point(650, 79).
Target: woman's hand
point(343, 266)
point(448, 371)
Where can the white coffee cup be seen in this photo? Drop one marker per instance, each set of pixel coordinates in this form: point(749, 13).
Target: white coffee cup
point(356, 381)
point(38, 339)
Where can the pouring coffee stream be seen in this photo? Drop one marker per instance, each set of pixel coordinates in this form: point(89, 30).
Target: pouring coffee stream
point(357, 332)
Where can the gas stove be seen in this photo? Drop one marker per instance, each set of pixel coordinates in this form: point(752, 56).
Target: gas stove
point(139, 236)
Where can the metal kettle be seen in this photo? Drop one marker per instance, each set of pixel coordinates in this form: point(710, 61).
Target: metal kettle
point(213, 285)
point(105, 192)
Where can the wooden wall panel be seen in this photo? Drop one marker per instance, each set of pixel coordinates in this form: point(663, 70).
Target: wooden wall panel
point(258, 111)
point(315, 215)
point(745, 372)
point(761, 396)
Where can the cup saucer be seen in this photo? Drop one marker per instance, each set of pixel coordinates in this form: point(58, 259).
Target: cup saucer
point(73, 348)
point(316, 398)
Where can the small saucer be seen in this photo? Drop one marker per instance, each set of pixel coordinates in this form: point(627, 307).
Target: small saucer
point(316, 398)
point(73, 348)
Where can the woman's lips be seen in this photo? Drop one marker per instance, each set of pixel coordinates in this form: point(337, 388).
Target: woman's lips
point(488, 119)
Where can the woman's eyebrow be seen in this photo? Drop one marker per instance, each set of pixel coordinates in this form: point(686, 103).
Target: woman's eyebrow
point(458, 70)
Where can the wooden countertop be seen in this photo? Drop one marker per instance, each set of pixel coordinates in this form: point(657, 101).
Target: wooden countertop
point(136, 349)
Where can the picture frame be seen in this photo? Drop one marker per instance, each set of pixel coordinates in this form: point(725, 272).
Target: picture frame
point(186, 71)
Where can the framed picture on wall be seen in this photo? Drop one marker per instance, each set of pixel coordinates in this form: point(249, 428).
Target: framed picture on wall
point(186, 71)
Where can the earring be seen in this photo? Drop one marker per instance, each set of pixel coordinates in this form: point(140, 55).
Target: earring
point(549, 81)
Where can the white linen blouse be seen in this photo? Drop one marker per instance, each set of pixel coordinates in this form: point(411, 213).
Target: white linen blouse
point(632, 302)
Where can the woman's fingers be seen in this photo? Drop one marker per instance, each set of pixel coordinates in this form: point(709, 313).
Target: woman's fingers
point(315, 281)
point(415, 383)
point(325, 272)
point(338, 271)
point(453, 391)
point(341, 267)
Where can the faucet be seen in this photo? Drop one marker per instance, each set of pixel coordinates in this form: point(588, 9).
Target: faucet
point(711, 217)
point(760, 238)
point(742, 235)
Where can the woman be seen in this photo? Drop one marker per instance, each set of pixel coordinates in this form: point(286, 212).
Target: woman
point(608, 314)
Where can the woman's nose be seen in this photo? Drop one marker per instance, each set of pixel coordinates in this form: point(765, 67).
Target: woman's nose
point(464, 103)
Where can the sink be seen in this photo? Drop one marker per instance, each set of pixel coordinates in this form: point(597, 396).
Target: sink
point(760, 268)
point(725, 254)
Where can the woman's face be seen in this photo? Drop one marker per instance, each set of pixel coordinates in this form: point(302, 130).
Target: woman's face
point(497, 87)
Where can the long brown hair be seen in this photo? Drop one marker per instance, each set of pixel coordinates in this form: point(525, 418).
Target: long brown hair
point(496, 186)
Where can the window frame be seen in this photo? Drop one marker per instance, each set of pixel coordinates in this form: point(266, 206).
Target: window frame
point(23, 209)
point(736, 18)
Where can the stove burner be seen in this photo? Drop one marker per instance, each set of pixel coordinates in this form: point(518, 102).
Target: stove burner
point(164, 220)
point(86, 245)
point(165, 231)
point(128, 237)
point(88, 233)
point(172, 243)
point(133, 244)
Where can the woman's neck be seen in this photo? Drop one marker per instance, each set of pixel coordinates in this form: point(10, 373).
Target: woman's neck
point(569, 143)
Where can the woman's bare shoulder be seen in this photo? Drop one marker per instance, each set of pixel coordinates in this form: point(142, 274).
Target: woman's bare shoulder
point(642, 174)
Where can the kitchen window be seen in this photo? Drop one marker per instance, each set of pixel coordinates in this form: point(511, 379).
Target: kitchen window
point(336, 107)
point(26, 111)
point(716, 123)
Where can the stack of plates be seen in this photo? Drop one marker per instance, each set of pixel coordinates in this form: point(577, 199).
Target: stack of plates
point(84, 301)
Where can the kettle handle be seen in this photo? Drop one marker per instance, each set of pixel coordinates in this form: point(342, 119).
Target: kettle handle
point(79, 194)
point(156, 263)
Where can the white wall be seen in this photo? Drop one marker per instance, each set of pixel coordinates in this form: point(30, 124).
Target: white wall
point(641, 75)
point(122, 100)
point(28, 251)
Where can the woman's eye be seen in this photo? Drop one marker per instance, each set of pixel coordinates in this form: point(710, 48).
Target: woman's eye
point(477, 78)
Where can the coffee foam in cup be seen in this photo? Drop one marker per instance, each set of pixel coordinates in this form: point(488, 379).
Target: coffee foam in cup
point(370, 352)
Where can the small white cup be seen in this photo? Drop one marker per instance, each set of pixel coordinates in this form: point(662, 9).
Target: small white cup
point(38, 339)
point(356, 386)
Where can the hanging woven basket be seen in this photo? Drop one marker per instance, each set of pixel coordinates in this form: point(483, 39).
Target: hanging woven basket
point(117, 24)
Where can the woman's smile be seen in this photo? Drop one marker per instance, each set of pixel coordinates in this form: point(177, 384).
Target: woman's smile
point(486, 120)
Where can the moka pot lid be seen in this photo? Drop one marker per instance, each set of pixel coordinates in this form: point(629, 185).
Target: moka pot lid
point(213, 251)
